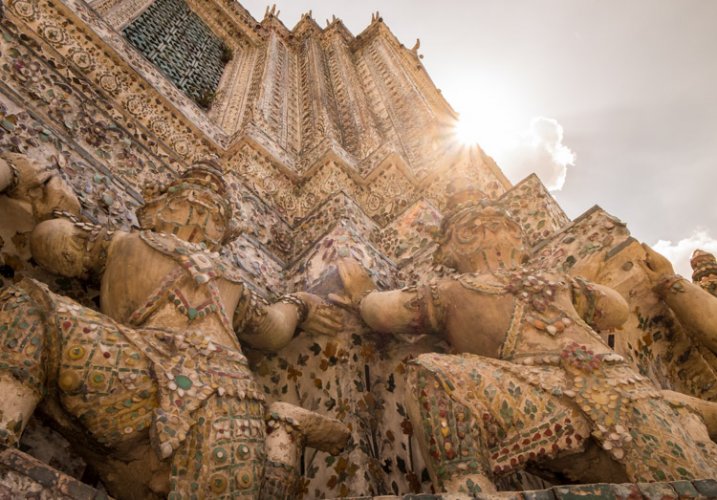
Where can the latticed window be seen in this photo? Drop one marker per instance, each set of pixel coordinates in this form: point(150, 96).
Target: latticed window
point(178, 42)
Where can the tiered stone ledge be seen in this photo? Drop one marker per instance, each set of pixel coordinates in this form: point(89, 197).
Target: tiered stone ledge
point(703, 488)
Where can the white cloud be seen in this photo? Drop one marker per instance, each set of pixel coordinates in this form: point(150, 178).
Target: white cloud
point(539, 150)
point(679, 253)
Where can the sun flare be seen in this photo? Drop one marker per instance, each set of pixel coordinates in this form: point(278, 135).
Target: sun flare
point(468, 130)
point(484, 129)
point(489, 117)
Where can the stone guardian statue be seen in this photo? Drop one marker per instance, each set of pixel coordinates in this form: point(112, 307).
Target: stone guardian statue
point(531, 384)
point(155, 391)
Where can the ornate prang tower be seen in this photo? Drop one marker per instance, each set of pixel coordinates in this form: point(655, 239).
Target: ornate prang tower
point(335, 145)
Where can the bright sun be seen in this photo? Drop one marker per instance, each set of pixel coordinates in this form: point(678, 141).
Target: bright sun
point(488, 117)
point(469, 130)
point(486, 127)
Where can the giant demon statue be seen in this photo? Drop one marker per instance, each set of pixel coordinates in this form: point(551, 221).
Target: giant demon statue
point(155, 390)
point(536, 387)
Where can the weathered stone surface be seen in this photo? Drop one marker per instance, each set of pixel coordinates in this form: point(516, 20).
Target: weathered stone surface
point(47, 445)
point(585, 492)
point(23, 475)
point(685, 489)
point(627, 491)
point(657, 491)
point(706, 487)
point(539, 494)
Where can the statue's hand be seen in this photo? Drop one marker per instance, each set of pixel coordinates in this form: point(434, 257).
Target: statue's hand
point(356, 284)
point(322, 318)
point(656, 266)
point(38, 185)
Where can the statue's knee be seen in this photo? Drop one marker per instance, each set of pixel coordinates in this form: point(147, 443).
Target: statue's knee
point(453, 430)
point(16, 408)
point(291, 427)
point(21, 340)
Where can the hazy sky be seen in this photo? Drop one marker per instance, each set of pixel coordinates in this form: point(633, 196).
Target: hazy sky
point(612, 101)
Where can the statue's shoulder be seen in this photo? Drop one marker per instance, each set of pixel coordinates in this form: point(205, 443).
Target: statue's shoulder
point(196, 258)
point(554, 277)
point(486, 283)
point(91, 230)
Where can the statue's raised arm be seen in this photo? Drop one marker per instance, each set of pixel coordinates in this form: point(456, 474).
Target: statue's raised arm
point(599, 306)
point(694, 307)
point(30, 191)
point(270, 327)
point(70, 247)
point(37, 188)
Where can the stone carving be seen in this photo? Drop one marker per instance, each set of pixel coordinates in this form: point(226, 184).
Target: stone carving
point(704, 267)
point(36, 190)
point(29, 192)
point(535, 386)
point(334, 145)
point(693, 304)
point(156, 390)
point(176, 40)
point(141, 141)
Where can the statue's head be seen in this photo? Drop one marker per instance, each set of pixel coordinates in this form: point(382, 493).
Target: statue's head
point(195, 207)
point(478, 236)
